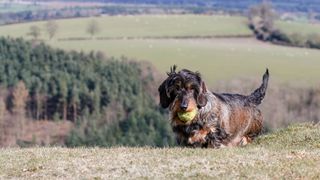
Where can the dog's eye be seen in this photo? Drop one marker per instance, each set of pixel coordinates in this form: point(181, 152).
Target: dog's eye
point(194, 87)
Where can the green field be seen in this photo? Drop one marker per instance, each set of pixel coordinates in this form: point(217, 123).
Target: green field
point(293, 153)
point(157, 26)
point(216, 58)
point(141, 26)
point(298, 27)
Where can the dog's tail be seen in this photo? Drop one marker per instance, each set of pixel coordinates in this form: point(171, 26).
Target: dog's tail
point(257, 96)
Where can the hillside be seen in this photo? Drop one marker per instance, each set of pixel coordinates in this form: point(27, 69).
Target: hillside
point(292, 153)
point(104, 98)
point(186, 44)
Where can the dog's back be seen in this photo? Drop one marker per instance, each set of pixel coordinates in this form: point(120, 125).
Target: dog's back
point(240, 117)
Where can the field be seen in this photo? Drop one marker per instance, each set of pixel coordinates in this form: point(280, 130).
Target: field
point(142, 26)
point(165, 40)
point(298, 27)
point(216, 59)
point(292, 153)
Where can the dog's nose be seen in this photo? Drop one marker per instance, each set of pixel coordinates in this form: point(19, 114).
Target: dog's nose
point(184, 106)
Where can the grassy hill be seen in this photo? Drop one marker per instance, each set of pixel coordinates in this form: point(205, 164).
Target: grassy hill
point(216, 59)
point(154, 38)
point(291, 153)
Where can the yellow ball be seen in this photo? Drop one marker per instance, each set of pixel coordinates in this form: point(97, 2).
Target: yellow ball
point(187, 116)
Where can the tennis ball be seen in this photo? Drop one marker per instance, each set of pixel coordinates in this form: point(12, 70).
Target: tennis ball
point(187, 116)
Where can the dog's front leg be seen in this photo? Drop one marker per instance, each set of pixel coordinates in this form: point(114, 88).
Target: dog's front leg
point(198, 137)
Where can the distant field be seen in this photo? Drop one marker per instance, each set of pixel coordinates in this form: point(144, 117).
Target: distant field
point(292, 153)
point(155, 26)
point(141, 26)
point(216, 58)
point(299, 27)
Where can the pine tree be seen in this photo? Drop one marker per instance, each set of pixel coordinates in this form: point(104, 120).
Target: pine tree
point(63, 94)
point(74, 102)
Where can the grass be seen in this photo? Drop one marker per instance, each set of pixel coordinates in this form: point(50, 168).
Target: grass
point(216, 58)
point(291, 153)
point(141, 26)
point(156, 26)
point(303, 28)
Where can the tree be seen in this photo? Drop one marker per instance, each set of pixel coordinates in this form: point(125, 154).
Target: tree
point(19, 101)
point(35, 32)
point(19, 95)
point(74, 102)
point(63, 95)
point(2, 120)
point(51, 28)
point(261, 20)
point(93, 28)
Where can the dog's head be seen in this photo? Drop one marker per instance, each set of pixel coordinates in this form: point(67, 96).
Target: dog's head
point(183, 90)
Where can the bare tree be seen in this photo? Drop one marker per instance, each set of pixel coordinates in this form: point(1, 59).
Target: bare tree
point(2, 120)
point(261, 20)
point(35, 32)
point(19, 101)
point(51, 28)
point(93, 28)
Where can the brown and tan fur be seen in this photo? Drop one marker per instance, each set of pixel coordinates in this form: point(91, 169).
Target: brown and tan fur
point(222, 119)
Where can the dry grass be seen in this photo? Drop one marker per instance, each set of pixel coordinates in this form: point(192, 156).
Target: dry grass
point(293, 153)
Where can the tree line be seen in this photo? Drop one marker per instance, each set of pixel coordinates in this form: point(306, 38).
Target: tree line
point(107, 99)
point(70, 12)
point(301, 6)
point(51, 28)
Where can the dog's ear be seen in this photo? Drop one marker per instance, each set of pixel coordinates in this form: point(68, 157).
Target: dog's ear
point(172, 70)
point(164, 99)
point(202, 99)
point(164, 89)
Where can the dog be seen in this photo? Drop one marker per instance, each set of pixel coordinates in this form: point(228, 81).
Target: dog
point(221, 120)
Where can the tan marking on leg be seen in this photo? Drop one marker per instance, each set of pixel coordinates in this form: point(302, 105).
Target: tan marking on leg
point(198, 137)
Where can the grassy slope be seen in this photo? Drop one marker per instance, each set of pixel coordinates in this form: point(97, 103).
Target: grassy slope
point(293, 153)
point(217, 59)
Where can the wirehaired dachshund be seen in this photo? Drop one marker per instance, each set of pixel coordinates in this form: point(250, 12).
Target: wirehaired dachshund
point(221, 120)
